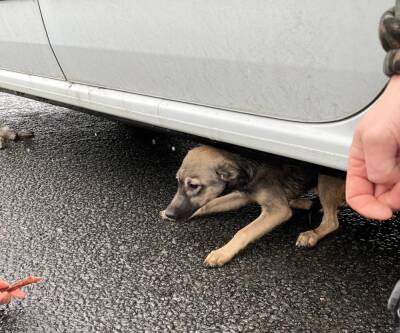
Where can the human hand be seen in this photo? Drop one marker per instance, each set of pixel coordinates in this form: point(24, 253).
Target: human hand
point(8, 291)
point(373, 172)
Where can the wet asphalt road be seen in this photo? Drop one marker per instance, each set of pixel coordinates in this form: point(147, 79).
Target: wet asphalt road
point(79, 206)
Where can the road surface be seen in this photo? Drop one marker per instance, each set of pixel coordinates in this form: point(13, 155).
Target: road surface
point(79, 207)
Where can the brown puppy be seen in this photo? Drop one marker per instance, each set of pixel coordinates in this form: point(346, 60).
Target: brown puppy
point(8, 134)
point(211, 180)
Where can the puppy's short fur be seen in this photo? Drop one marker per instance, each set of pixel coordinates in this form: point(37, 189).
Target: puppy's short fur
point(8, 134)
point(212, 180)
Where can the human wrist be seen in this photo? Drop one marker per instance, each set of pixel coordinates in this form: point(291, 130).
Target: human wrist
point(388, 104)
point(393, 86)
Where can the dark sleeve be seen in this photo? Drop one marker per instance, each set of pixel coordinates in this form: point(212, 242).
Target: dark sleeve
point(389, 35)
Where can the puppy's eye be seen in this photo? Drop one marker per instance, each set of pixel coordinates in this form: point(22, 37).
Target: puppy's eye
point(193, 186)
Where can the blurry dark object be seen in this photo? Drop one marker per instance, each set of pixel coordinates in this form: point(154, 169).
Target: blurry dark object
point(8, 134)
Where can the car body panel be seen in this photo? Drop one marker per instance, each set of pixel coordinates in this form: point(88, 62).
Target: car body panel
point(325, 144)
point(24, 46)
point(308, 61)
point(290, 78)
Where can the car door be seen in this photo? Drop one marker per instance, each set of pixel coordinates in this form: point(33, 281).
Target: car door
point(308, 61)
point(24, 46)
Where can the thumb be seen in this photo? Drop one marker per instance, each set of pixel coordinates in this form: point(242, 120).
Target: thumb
point(380, 152)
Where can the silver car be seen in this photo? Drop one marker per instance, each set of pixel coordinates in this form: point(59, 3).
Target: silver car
point(287, 77)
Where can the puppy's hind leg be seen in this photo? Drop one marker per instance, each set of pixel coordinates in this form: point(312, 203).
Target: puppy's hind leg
point(231, 201)
point(331, 194)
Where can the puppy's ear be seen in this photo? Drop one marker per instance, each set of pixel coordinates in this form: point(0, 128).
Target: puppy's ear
point(228, 172)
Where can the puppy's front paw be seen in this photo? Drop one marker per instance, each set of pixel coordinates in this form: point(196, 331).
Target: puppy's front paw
point(218, 258)
point(307, 239)
point(165, 217)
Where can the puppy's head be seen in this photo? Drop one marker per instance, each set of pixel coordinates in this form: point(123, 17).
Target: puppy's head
point(202, 177)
